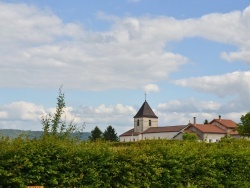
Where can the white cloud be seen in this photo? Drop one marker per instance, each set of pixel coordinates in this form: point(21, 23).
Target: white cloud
point(27, 116)
point(235, 86)
point(46, 52)
point(177, 113)
point(38, 49)
point(151, 88)
point(23, 110)
point(177, 106)
point(235, 83)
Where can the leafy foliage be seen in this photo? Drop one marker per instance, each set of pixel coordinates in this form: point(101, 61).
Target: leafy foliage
point(189, 136)
point(153, 163)
point(244, 127)
point(110, 134)
point(54, 125)
point(206, 121)
point(96, 134)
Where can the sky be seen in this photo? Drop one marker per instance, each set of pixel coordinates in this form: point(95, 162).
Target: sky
point(190, 57)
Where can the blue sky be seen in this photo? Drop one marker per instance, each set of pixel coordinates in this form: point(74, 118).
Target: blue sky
point(191, 57)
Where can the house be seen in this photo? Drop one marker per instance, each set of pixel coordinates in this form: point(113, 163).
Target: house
point(146, 127)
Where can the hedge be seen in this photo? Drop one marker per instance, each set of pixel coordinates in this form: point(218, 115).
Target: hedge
point(154, 163)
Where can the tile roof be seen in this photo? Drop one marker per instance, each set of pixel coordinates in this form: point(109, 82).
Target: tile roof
point(130, 133)
point(165, 129)
point(233, 132)
point(209, 128)
point(145, 111)
point(226, 122)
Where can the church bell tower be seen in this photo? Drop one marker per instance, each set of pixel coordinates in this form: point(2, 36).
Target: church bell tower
point(145, 118)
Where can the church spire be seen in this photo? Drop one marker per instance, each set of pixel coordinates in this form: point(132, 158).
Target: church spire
point(145, 111)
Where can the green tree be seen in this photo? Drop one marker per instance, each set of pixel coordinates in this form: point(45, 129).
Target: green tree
point(54, 124)
point(96, 134)
point(206, 121)
point(244, 127)
point(110, 134)
point(189, 136)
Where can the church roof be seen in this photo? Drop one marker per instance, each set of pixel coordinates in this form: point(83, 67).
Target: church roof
point(130, 133)
point(145, 111)
point(176, 128)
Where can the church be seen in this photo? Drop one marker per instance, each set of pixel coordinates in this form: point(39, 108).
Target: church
point(146, 127)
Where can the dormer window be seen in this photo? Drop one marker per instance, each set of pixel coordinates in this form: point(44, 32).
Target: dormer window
point(138, 122)
point(149, 123)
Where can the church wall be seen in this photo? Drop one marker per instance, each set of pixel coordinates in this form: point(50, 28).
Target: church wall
point(144, 123)
point(162, 135)
point(130, 138)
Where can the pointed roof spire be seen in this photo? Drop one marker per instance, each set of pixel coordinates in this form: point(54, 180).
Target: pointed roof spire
point(145, 111)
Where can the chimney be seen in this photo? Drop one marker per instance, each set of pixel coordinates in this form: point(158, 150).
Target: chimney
point(194, 121)
point(219, 117)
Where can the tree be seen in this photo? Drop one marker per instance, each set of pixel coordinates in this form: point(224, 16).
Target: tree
point(244, 127)
point(206, 121)
point(54, 125)
point(189, 136)
point(110, 134)
point(96, 134)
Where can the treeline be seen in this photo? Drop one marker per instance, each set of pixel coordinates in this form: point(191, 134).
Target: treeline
point(53, 162)
point(108, 135)
point(14, 133)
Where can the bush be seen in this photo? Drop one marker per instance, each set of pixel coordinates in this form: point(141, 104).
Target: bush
point(153, 163)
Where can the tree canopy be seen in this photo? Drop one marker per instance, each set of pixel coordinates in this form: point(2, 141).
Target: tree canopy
point(244, 126)
point(54, 125)
point(110, 134)
point(189, 136)
point(96, 134)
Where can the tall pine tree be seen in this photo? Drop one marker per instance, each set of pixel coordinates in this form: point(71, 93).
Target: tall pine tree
point(110, 134)
point(96, 134)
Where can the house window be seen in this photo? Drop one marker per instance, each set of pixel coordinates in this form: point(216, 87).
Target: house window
point(138, 122)
point(149, 122)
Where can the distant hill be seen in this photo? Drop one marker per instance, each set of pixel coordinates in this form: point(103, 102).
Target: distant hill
point(14, 133)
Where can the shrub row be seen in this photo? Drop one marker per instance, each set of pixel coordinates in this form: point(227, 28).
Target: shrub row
point(158, 163)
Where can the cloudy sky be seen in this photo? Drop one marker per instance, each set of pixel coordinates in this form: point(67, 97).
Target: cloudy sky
point(191, 57)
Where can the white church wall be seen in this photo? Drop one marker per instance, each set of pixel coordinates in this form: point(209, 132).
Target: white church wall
point(144, 123)
point(162, 135)
point(130, 138)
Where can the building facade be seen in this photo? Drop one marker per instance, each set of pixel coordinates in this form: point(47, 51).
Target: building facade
point(146, 127)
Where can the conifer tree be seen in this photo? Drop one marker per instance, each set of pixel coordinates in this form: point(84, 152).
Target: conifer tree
point(110, 134)
point(96, 134)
